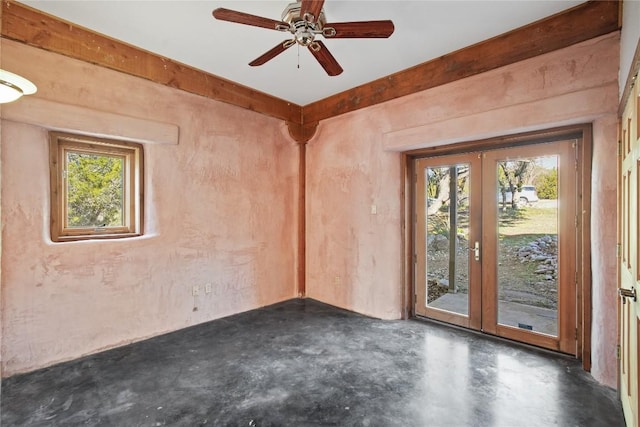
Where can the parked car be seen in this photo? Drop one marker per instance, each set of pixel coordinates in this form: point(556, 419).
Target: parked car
point(526, 196)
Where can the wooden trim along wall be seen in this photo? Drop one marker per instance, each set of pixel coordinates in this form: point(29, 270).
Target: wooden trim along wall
point(34, 28)
point(583, 22)
point(302, 221)
point(584, 248)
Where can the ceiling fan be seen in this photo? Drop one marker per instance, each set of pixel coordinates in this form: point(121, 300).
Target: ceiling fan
point(305, 20)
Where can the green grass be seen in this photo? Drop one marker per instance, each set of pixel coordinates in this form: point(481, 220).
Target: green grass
point(528, 221)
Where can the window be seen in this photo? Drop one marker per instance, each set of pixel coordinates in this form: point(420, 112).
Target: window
point(96, 188)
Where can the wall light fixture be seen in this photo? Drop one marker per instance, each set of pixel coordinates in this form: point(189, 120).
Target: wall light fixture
point(13, 86)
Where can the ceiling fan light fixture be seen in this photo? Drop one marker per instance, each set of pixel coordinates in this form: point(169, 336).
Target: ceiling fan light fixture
point(13, 86)
point(304, 37)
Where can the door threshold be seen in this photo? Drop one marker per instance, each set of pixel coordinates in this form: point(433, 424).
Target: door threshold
point(495, 337)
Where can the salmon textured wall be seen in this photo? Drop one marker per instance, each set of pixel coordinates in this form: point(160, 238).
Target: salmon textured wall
point(353, 254)
point(354, 163)
point(219, 209)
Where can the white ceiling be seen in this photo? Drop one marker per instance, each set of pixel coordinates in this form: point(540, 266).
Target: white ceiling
point(187, 32)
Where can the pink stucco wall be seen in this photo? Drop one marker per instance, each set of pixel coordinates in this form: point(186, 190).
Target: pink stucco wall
point(220, 209)
point(354, 162)
point(220, 205)
point(603, 254)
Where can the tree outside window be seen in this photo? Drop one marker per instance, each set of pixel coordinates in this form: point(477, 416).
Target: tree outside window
point(96, 188)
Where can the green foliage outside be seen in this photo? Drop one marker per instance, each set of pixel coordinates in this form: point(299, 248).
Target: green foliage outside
point(94, 190)
point(547, 185)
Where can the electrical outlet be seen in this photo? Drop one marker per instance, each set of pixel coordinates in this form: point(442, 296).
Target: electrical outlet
point(195, 291)
point(336, 280)
point(207, 288)
point(374, 209)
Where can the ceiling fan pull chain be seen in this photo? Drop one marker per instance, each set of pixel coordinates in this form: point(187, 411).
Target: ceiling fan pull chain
point(298, 56)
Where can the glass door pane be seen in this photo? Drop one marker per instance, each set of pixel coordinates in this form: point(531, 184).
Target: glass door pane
point(496, 236)
point(530, 237)
point(447, 275)
point(447, 238)
point(527, 276)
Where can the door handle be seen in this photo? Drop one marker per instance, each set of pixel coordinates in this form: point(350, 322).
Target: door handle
point(476, 251)
point(627, 293)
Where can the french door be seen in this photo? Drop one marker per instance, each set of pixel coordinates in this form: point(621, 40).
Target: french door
point(495, 242)
point(629, 225)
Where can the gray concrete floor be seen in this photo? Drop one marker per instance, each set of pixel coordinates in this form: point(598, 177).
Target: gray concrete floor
point(303, 363)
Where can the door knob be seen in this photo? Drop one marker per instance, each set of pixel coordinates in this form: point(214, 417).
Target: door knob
point(627, 293)
point(476, 251)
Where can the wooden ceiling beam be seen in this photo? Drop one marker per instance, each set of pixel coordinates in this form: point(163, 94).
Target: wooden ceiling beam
point(32, 27)
point(583, 22)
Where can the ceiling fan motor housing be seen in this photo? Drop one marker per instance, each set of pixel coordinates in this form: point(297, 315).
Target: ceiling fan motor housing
point(304, 30)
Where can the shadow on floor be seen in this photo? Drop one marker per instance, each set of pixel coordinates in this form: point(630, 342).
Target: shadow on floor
point(303, 363)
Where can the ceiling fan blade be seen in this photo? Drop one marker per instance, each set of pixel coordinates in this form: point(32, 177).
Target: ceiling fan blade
point(324, 57)
point(360, 29)
point(312, 7)
point(277, 50)
point(247, 19)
